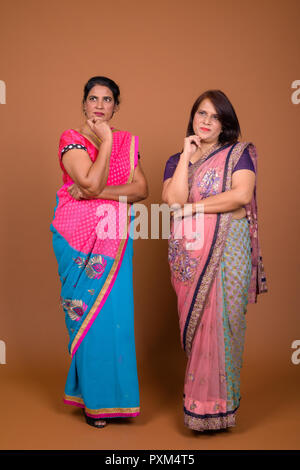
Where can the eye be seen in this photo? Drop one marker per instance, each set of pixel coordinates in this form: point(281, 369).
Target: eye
point(203, 113)
point(215, 117)
point(107, 98)
point(92, 98)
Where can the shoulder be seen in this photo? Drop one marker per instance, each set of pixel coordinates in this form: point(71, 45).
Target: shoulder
point(121, 133)
point(242, 149)
point(245, 146)
point(174, 159)
point(246, 156)
point(71, 139)
point(69, 132)
point(171, 165)
point(248, 150)
point(72, 136)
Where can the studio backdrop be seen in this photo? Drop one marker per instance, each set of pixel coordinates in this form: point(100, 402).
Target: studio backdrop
point(162, 54)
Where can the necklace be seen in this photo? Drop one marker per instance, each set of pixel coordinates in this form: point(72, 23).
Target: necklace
point(205, 154)
point(91, 134)
point(96, 137)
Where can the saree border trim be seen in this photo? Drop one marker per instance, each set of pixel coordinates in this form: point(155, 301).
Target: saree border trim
point(217, 415)
point(136, 158)
point(210, 421)
point(210, 424)
point(205, 280)
point(102, 412)
point(132, 152)
point(194, 166)
point(109, 282)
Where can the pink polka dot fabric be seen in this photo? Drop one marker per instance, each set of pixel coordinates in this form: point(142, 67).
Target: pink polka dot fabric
point(96, 225)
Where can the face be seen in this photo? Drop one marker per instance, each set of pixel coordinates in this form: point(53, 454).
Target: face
point(206, 122)
point(100, 103)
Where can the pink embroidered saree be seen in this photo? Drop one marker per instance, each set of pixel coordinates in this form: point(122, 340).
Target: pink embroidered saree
point(214, 283)
point(94, 253)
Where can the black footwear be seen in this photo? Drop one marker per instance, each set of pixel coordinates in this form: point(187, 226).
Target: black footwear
point(93, 421)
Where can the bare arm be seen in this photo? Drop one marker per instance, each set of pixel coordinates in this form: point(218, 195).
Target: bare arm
point(176, 189)
point(90, 177)
point(240, 194)
point(135, 191)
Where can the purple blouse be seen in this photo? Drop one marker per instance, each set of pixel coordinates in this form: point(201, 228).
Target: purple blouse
point(244, 163)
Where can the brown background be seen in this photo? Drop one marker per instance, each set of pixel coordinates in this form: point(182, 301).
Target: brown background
point(163, 54)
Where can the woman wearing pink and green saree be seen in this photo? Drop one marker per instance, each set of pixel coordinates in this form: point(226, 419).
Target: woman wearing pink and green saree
point(93, 248)
point(215, 269)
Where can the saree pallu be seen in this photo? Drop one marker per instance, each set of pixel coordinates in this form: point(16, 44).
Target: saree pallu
point(94, 251)
point(214, 280)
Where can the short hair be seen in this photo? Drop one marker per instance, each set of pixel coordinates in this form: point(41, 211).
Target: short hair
point(230, 125)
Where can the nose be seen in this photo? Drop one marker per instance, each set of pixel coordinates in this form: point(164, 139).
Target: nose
point(100, 103)
point(206, 119)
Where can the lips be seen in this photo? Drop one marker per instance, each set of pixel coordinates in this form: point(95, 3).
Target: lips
point(99, 114)
point(205, 129)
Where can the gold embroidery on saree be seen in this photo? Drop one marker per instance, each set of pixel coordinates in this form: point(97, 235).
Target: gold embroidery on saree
point(101, 410)
point(224, 224)
point(115, 263)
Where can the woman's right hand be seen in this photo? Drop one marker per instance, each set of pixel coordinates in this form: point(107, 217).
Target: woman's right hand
point(100, 128)
point(191, 145)
point(75, 192)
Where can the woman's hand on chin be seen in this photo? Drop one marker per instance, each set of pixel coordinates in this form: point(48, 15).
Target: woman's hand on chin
point(191, 145)
point(100, 128)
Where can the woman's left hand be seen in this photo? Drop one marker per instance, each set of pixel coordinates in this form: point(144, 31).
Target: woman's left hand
point(75, 192)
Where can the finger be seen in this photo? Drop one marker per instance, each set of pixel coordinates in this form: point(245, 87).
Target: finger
point(196, 139)
point(190, 141)
point(194, 136)
point(90, 123)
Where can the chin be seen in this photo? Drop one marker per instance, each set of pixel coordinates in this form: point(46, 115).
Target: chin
point(205, 139)
point(209, 139)
point(204, 135)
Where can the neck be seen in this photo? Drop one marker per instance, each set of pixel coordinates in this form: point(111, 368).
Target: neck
point(205, 146)
point(87, 131)
point(203, 151)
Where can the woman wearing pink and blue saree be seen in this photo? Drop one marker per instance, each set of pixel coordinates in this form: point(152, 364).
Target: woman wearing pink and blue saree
point(217, 271)
point(93, 248)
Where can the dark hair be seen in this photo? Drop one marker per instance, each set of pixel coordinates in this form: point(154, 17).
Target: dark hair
point(230, 125)
point(104, 81)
